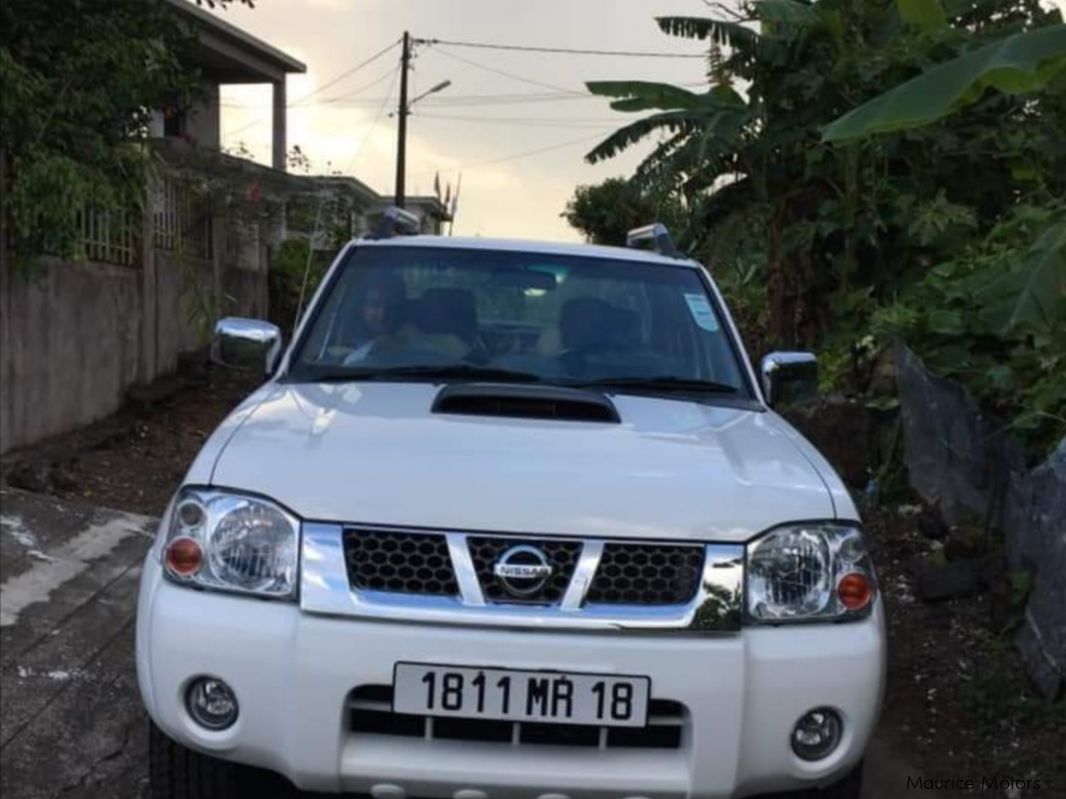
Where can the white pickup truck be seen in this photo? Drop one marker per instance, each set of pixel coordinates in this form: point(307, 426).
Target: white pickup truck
point(510, 519)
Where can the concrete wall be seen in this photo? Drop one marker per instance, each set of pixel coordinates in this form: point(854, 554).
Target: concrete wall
point(185, 307)
point(70, 347)
point(203, 121)
point(75, 336)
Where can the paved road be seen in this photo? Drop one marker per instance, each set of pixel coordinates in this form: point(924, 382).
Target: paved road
point(70, 718)
point(71, 724)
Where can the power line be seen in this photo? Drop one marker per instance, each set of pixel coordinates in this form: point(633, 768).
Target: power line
point(604, 124)
point(348, 72)
point(528, 153)
point(335, 99)
point(503, 73)
point(572, 51)
point(516, 156)
point(377, 118)
point(324, 86)
point(459, 101)
point(504, 99)
point(302, 100)
point(245, 126)
point(565, 120)
point(348, 95)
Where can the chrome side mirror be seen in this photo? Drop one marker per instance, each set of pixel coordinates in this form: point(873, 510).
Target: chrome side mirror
point(246, 344)
point(789, 377)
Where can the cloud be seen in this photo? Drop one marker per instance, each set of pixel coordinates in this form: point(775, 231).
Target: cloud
point(490, 117)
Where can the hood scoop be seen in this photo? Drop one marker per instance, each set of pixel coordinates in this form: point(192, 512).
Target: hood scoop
point(525, 402)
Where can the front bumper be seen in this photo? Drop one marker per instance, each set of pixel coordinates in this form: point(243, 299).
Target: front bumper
point(293, 673)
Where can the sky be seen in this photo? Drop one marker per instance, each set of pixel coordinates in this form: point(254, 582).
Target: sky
point(518, 139)
point(520, 156)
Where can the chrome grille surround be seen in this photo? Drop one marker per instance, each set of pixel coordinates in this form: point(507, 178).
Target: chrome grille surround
point(325, 588)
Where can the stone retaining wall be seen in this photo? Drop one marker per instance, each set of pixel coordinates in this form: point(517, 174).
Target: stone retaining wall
point(965, 465)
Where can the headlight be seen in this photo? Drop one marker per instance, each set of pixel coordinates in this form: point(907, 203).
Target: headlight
point(809, 572)
point(232, 542)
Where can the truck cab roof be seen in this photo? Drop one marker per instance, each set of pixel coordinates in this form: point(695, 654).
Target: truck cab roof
point(530, 246)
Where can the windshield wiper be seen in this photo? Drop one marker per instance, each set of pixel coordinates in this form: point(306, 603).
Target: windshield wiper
point(661, 383)
point(455, 371)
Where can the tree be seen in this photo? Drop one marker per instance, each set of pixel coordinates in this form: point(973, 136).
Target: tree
point(78, 83)
point(994, 314)
point(1022, 63)
point(946, 229)
point(607, 211)
point(841, 226)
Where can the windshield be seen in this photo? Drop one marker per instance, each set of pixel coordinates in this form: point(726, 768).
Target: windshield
point(562, 319)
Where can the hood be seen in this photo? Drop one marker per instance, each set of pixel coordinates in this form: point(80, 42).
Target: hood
point(375, 453)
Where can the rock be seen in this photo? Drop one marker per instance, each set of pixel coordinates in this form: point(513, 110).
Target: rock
point(989, 568)
point(1035, 525)
point(958, 460)
point(964, 543)
point(63, 479)
point(1043, 669)
point(1003, 610)
point(930, 524)
point(939, 582)
point(144, 395)
point(964, 464)
point(29, 476)
point(843, 430)
point(883, 376)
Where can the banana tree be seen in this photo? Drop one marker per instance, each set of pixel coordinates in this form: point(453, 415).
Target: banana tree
point(1031, 64)
point(1023, 63)
point(748, 130)
point(832, 220)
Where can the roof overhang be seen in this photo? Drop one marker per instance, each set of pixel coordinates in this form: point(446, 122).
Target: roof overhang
point(227, 54)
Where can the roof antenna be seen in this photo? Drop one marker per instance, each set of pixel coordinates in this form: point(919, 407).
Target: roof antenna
point(307, 266)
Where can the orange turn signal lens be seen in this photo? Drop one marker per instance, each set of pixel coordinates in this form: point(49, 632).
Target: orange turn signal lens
point(184, 556)
point(855, 591)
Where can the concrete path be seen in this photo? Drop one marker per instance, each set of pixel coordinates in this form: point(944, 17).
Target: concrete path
point(71, 723)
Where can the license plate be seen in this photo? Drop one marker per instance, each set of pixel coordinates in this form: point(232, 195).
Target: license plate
point(554, 697)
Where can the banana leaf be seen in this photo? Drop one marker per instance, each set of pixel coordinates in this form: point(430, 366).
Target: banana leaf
point(1018, 64)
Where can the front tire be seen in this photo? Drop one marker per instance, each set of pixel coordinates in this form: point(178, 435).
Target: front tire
point(177, 772)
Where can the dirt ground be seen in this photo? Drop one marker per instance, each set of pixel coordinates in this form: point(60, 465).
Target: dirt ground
point(134, 459)
point(958, 701)
point(958, 705)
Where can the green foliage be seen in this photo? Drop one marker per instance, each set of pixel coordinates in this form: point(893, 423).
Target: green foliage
point(605, 212)
point(927, 14)
point(843, 241)
point(994, 317)
point(285, 280)
point(79, 82)
point(1018, 64)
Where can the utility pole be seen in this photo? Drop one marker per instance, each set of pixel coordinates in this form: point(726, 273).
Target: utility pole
point(401, 141)
point(403, 112)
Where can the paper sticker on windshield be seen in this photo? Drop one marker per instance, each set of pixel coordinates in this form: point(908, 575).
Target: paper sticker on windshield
point(701, 312)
